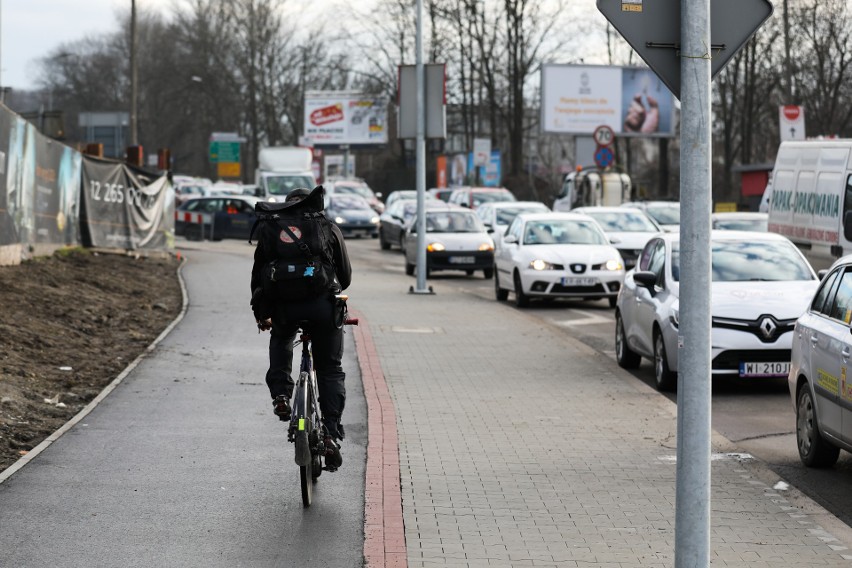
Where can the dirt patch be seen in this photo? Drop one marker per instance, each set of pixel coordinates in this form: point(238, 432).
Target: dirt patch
point(70, 324)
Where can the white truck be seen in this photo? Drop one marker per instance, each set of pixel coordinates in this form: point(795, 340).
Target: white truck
point(585, 188)
point(282, 169)
point(811, 201)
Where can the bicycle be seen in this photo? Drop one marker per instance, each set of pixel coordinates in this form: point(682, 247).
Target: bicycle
point(306, 428)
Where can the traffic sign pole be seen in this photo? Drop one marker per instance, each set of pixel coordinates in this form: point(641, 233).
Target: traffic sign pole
point(692, 495)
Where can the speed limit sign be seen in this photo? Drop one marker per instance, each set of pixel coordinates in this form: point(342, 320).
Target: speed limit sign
point(604, 135)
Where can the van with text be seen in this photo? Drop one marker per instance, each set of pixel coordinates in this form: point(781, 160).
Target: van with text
point(811, 201)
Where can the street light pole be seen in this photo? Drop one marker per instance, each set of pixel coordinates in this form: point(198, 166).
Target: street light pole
point(421, 159)
point(134, 134)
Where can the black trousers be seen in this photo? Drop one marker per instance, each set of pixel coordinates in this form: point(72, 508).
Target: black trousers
point(327, 347)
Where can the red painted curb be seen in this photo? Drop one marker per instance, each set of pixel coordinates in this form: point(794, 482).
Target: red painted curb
point(384, 532)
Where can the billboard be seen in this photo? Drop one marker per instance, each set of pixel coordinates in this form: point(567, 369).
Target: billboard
point(343, 117)
point(633, 101)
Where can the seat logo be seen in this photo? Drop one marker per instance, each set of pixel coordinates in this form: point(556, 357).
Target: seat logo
point(767, 327)
point(578, 268)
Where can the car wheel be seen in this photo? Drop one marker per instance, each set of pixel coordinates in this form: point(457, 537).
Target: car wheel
point(382, 242)
point(409, 268)
point(814, 451)
point(665, 379)
point(626, 357)
point(488, 273)
point(500, 293)
point(521, 299)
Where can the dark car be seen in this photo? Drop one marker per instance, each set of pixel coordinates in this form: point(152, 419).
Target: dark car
point(352, 214)
point(216, 217)
point(355, 187)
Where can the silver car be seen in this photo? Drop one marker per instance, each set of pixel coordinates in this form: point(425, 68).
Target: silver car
point(819, 387)
point(761, 284)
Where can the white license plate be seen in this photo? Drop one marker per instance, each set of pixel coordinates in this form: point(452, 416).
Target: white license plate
point(775, 369)
point(568, 281)
point(461, 260)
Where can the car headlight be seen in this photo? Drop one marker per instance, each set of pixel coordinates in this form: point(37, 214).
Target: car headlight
point(614, 265)
point(435, 247)
point(374, 220)
point(539, 264)
point(272, 200)
point(486, 246)
point(339, 220)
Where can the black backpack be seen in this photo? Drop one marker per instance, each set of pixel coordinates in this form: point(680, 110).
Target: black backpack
point(301, 240)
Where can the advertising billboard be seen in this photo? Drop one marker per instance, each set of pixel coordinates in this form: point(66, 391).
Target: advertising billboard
point(344, 117)
point(633, 101)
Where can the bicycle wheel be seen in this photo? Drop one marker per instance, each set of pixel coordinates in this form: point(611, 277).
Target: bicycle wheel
point(307, 479)
point(303, 422)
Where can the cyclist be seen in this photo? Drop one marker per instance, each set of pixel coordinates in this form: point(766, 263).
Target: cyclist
point(284, 316)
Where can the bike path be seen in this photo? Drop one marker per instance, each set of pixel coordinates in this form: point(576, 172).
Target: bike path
point(520, 446)
point(183, 464)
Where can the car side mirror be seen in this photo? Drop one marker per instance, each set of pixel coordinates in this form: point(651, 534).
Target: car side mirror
point(847, 225)
point(646, 279)
point(510, 239)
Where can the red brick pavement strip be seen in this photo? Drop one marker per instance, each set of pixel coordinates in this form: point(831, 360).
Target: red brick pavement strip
point(384, 533)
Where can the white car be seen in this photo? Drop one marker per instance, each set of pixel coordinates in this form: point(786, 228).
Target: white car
point(665, 213)
point(761, 284)
point(628, 228)
point(455, 240)
point(819, 386)
point(497, 215)
point(556, 255)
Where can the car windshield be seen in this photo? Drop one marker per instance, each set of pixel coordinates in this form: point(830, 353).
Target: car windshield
point(453, 222)
point(491, 196)
point(758, 225)
point(505, 215)
point(562, 231)
point(664, 214)
point(282, 185)
point(361, 190)
point(626, 222)
point(740, 261)
point(349, 202)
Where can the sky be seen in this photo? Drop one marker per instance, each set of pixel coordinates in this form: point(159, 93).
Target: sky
point(30, 29)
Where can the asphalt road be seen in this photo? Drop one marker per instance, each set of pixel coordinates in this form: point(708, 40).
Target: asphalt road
point(757, 415)
point(184, 463)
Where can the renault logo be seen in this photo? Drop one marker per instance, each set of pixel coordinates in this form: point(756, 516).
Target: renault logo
point(767, 327)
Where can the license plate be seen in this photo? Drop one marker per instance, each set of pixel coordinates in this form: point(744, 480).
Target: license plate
point(775, 369)
point(579, 281)
point(461, 260)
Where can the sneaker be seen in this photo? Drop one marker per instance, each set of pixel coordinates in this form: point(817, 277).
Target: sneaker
point(333, 459)
point(281, 407)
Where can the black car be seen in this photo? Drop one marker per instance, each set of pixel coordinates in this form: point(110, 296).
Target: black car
point(352, 214)
point(216, 217)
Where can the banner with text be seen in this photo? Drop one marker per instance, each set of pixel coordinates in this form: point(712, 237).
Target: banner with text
point(343, 117)
point(633, 101)
point(125, 208)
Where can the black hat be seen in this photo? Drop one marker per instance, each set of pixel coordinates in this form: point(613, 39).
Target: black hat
point(299, 198)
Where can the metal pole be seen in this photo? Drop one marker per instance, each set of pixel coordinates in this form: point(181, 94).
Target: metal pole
point(421, 158)
point(692, 504)
point(134, 139)
point(346, 161)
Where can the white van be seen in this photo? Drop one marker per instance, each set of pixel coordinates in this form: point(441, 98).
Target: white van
point(589, 188)
point(811, 201)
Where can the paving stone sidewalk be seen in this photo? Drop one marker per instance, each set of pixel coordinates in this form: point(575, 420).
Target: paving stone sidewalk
point(520, 446)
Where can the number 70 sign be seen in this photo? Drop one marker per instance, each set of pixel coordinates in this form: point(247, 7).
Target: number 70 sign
point(604, 135)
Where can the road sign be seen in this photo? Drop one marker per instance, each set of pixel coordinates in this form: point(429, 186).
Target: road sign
point(224, 152)
point(604, 156)
point(228, 169)
point(652, 28)
point(791, 122)
point(604, 135)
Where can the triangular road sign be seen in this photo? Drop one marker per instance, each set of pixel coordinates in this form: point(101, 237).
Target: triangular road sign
point(652, 28)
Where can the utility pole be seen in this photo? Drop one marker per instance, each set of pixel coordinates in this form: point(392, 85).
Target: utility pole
point(134, 133)
point(420, 176)
point(692, 493)
point(788, 69)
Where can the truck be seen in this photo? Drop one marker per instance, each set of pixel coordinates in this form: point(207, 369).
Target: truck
point(585, 188)
point(282, 169)
point(811, 199)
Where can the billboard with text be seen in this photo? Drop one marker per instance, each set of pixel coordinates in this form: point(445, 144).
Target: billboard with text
point(344, 117)
point(633, 101)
